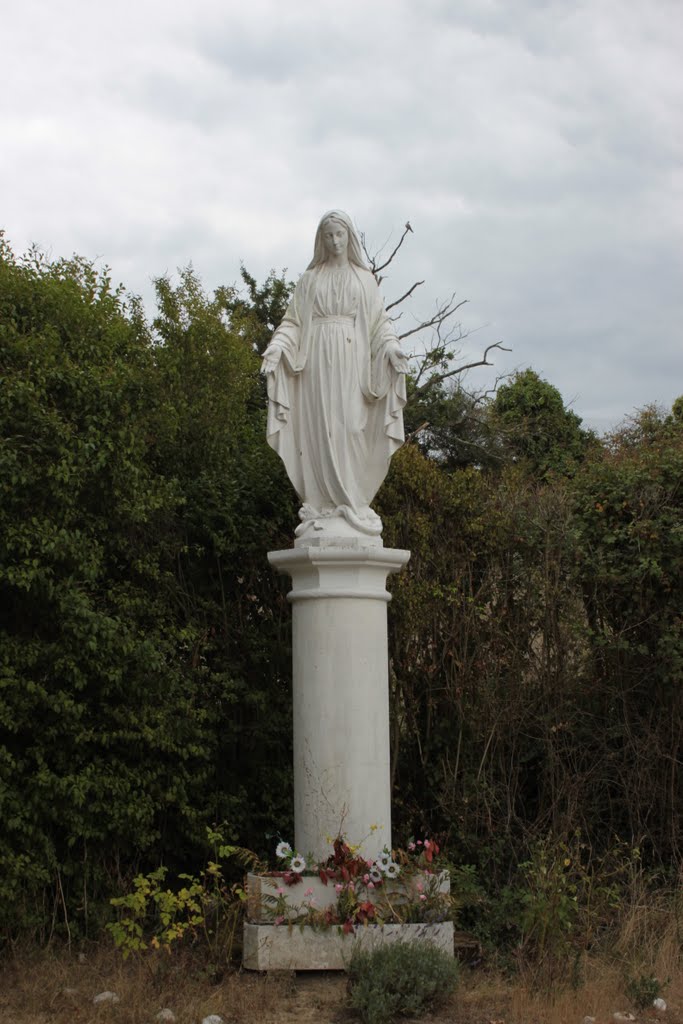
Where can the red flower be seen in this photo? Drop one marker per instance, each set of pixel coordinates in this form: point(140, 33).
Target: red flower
point(291, 877)
point(366, 912)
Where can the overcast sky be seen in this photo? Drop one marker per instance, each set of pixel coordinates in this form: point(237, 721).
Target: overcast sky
point(536, 146)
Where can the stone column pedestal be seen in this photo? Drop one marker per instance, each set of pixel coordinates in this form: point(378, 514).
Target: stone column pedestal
point(341, 694)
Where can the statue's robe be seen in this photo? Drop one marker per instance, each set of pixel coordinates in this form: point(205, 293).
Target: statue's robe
point(335, 411)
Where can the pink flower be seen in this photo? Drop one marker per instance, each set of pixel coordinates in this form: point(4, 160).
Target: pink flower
point(279, 919)
point(419, 887)
point(419, 842)
point(427, 844)
point(338, 888)
point(411, 846)
point(369, 863)
point(371, 885)
point(280, 891)
point(309, 892)
point(423, 897)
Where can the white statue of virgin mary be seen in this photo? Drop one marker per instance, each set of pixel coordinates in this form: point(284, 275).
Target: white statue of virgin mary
point(336, 386)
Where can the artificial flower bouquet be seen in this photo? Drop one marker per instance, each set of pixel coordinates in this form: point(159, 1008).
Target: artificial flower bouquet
point(347, 890)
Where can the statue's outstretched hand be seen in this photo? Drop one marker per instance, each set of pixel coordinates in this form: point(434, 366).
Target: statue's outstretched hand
point(398, 360)
point(271, 359)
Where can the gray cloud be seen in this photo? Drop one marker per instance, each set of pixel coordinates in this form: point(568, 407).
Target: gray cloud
point(535, 147)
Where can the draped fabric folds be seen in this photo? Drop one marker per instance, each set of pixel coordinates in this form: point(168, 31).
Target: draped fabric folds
point(335, 410)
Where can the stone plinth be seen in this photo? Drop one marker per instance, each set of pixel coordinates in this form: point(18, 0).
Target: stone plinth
point(296, 948)
point(340, 696)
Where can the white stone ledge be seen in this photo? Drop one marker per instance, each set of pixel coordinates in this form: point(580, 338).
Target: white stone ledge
point(302, 948)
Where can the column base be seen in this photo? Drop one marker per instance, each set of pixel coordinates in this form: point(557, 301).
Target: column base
point(285, 947)
point(296, 946)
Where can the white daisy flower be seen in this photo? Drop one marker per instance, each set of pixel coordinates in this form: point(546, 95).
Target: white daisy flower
point(298, 864)
point(392, 870)
point(384, 860)
point(283, 851)
point(375, 874)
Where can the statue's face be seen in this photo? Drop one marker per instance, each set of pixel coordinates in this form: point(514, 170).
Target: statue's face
point(335, 238)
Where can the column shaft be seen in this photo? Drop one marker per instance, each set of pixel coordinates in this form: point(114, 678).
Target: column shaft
point(340, 699)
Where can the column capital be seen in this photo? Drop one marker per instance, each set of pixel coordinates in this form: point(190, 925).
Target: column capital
point(332, 570)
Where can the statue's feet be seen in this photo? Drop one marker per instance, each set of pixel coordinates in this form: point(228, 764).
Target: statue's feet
point(343, 523)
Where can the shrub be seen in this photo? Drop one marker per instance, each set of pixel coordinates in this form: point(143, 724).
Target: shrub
point(406, 978)
point(643, 989)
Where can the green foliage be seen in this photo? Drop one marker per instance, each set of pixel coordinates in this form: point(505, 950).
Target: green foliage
point(406, 979)
point(256, 315)
point(536, 655)
point(451, 426)
point(536, 637)
point(141, 664)
point(628, 523)
point(101, 738)
point(482, 650)
point(550, 904)
point(561, 902)
point(643, 989)
point(204, 910)
point(536, 428)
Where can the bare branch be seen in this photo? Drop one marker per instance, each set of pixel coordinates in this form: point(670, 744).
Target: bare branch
point(397, 302)
point(418, 430)
point(446, 310)
point(481, 396)
point(466, 366)
point(434, 363)
point(372, 260)
point(407, 229)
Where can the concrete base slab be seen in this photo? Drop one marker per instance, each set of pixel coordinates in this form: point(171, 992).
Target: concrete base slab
point(302, 948)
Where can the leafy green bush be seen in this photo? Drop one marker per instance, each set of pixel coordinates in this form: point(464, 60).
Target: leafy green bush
point(407, 978)
point(143, 673)
point(204, 911)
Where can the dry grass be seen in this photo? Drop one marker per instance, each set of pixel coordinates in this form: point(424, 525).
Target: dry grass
point(56, 987)
point(60, 988)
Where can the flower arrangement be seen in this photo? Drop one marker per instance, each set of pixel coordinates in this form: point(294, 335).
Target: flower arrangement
point(399, 886)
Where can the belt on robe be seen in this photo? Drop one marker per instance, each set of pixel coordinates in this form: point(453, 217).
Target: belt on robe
point(342, 318)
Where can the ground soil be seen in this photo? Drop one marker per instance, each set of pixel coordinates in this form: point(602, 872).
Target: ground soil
point(59, 989)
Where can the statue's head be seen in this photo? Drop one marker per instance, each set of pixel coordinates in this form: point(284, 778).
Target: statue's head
point(354, 251)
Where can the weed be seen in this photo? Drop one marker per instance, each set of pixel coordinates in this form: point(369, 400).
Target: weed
point(203, 911)
point(643, 989)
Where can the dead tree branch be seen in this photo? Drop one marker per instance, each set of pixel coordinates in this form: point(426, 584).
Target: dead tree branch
point(434, 364)
point(372, 260)
point(439, 377)
point(406, 295)
point(443, 313)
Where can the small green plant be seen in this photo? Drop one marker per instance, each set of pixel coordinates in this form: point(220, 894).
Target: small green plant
point(202, 910)
point(643, 989)
point(407, 978)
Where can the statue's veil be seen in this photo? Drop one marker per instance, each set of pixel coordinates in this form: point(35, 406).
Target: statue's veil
point(355, 252)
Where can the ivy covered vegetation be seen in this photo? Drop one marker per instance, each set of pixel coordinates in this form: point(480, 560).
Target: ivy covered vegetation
point(536, 634)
